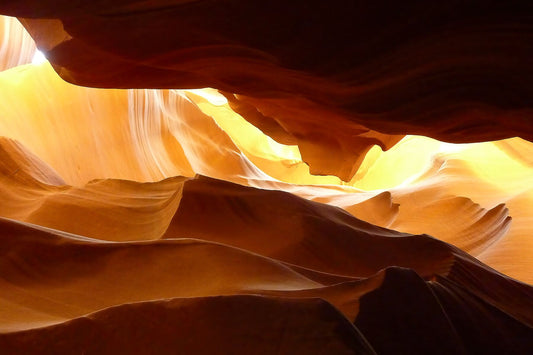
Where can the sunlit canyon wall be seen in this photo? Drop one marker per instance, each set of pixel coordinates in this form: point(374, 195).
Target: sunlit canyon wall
point(234, 177)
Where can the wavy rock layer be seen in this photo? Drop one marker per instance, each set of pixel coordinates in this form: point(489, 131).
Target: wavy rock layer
point(53, 281)
point(147, 220)
point(52, 277)
point(419, 186)
point(237, 324)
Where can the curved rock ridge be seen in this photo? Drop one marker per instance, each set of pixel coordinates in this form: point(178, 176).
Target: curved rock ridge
point(202, 237)
point(33, 192)
point(236, 324)
point(409, 315)
point(20, 166)
point(50, 277)
point(237, 177)
point(121, 210)
point(328, 76)
point(303, 233)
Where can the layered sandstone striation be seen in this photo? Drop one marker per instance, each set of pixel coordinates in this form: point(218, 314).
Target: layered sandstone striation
point(141, 214)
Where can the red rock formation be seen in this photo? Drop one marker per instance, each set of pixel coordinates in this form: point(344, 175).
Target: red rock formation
point(146, 221)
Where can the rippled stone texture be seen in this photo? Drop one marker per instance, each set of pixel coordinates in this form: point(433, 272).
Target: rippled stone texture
point(147, 219)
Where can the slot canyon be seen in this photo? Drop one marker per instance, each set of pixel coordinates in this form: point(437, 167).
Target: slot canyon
point(276, 177)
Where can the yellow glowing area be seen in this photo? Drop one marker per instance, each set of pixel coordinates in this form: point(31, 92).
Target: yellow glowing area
point(408, 158)
point(495, 164)
point(280, 161)
point(400, 166)
point(38, 57)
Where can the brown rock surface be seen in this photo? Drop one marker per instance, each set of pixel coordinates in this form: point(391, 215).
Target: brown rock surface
point(139, 218)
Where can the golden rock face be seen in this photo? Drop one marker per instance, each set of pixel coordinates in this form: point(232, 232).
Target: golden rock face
point(16, 45)
point(204, 174)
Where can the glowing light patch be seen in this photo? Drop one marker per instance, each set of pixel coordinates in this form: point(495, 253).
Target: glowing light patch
point(38, 57)
point(453, 147)
point(211, 95)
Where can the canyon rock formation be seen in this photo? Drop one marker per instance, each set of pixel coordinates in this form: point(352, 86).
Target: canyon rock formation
point(227, 176)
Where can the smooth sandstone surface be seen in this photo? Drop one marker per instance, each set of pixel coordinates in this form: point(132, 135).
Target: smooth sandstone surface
point(139, 218)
